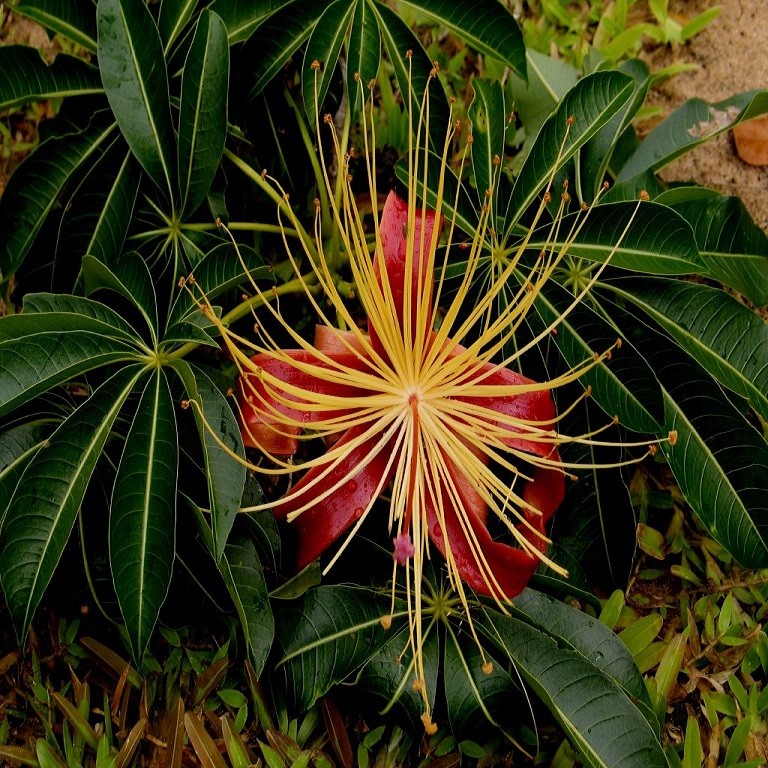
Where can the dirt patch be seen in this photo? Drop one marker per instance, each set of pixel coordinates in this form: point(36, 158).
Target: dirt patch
point(731, 58)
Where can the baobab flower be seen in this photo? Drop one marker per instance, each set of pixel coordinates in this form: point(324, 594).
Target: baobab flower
point(431, 413)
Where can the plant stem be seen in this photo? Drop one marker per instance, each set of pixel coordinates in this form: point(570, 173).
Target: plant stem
point(297, 285)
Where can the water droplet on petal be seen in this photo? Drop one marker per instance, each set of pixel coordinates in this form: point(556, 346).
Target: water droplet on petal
point(358, 512)
point(352, 486)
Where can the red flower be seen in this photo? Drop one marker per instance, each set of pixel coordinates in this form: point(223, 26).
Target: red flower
point(406, 404)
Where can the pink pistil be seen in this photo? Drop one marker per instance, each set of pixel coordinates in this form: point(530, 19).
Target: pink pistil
point(404, 548)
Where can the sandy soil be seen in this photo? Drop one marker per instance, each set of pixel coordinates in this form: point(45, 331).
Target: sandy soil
point(731, 56)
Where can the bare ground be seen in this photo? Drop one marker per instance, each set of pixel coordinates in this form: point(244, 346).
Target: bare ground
point(731, 57)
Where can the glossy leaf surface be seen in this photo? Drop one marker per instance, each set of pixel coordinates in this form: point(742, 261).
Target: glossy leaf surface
point(326, 636)
point(74, 19)
point(26, 77)
point(143, 513)
point(719, 460)
point(133, 72)
point(203, 111)
point(605, 726)
point(225, 475)
point(723, 335)
point(35, 188)
point(641, 237)
point(43, 509)
point(589, 105)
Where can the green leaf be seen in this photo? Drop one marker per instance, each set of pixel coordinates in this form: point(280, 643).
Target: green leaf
point(244, 576)
point(217, 427)
point(719, 461)
point(98, 215)
point(534, 101)
point(412, 73)
point(585, 635)
point(486, 25)
point(388, 676)
point(242, 17)
point(607, 729)
point(625, 386)
point(136, 83)
point(203, 111)
point(74, 19)
point(363, 53)
point(475, 698)
point(695, 122)
point(324, 46)
point(733, 248)
point(457, 205)
point(174, 15)
point(489, 119)
point(326, 636)
point(275, 41)
point(142, 530)
point(644, 237)
point(719, 332)
point(25, 77)
point(43, 509)
point(40, 351)
point(219, 271)
point(592, 102)
point(128, 276)
point(37, 185)
point(596, 156)
point(18, 447)
point(594, 534)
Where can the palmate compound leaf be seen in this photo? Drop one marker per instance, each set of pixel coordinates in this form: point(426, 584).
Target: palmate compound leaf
point(242, 17)
point(722, 334)
point(326, 636)
point(128, 276)
point(477, 699)
point(142, 531)
point(719, 460)
point(488, 118)
point(96, 220)
point(692, 124)
point(243, 575)
point(324, 46)
point(44, 507)
point(649, 238)
point(624, 386)
point(273, 43)
point(363, 51)
point(18, 446)
point(485, 25)
point(601, 721)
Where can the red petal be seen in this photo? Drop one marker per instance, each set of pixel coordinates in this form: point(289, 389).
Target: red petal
point(326, 520)
point(530, 406)
point(393, 232)
point(260, 404)
point(512, 567)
